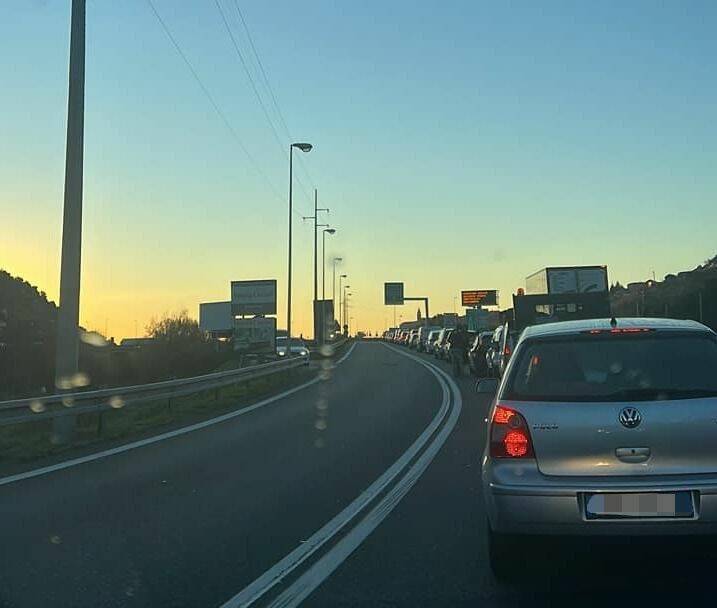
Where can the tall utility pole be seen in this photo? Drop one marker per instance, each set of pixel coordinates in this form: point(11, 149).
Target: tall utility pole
point(68, 316)
point(315, 217)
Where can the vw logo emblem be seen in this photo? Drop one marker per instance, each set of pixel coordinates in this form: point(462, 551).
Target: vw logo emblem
point(630, 417)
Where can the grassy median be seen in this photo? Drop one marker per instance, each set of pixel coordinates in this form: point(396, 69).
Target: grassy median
point(30, 441)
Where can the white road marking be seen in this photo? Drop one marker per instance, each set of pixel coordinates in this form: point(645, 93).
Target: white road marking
point(161, 437)
point(308, 581)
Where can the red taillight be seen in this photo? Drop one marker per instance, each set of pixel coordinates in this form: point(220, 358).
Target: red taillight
point(509, 435)
point(502, 415)
point(516, 443)
point(506, 351)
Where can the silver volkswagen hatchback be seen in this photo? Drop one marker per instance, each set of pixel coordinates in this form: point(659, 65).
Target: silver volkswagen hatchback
point(603, 427)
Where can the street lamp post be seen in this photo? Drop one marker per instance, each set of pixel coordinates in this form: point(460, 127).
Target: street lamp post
point(331, 231)
point(346, 312)
point(304, 147)
point(343, 276)
point(344, 309)
point(323, 282)
point(333, 284)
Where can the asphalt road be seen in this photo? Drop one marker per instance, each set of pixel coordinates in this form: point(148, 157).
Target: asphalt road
point(195, 519)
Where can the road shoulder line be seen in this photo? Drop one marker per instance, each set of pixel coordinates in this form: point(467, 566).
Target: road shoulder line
point(163, 436)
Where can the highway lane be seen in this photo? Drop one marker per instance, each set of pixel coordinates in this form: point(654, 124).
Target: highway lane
point(192, 520)
point(432, 550)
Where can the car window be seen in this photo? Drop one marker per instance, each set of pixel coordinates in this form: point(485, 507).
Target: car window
point(614, 369)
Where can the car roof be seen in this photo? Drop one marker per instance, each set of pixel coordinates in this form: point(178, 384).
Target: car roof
point(574, 327)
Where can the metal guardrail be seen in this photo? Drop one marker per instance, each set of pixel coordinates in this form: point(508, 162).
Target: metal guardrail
point(30, 409)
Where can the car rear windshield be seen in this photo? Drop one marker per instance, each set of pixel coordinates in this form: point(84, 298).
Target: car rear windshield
point(615, 368)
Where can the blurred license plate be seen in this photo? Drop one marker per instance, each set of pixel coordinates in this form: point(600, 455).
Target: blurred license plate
point(652, 504)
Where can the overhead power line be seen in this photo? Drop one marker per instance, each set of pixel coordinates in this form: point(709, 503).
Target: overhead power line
point(268, 86)
point(247, 71)
point(213, 103)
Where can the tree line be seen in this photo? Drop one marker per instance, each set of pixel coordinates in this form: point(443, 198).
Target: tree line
point(27, 347)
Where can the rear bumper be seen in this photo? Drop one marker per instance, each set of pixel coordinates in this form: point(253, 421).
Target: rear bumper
point(558, 509)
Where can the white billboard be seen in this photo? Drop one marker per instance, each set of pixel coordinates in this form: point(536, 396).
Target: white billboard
point(215, 316)
point(255, 335)
point(254, 297)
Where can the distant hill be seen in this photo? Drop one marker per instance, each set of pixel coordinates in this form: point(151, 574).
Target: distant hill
point(691, 294)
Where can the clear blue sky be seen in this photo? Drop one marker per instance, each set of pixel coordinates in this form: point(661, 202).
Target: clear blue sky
point(459, 145)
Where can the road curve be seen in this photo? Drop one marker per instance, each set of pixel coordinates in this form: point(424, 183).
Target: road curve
point(195, 518)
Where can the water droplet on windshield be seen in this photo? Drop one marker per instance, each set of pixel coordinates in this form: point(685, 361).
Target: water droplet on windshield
point(80, 379)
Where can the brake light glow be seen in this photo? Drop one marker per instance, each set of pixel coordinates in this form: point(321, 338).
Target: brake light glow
point(509, 435)
point(516, 444)
point(507, 351)
point(502, 415)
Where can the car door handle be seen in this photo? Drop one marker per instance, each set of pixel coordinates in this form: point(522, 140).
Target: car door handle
point(633, 455)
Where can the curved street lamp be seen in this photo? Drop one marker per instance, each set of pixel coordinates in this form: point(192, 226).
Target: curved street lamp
point(326, 231)
point(344, 307)
point(341, 277)
point(322, 320)
point(333, 282)
point(304, 147)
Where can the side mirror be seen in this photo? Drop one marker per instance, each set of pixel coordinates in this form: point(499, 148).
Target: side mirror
point(487, 386)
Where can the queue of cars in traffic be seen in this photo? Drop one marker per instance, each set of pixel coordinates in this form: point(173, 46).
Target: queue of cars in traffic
point(487, 354)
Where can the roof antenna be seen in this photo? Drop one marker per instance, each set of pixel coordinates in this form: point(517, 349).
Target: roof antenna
point(613, 322)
